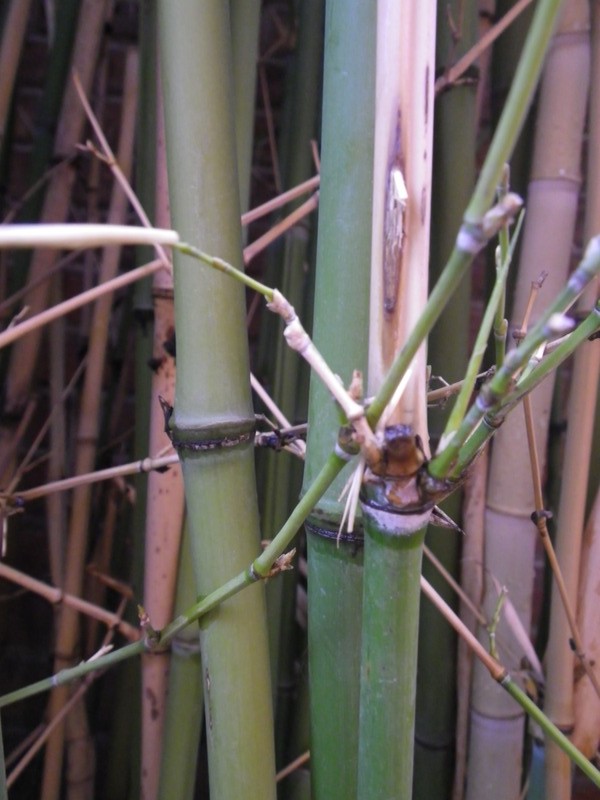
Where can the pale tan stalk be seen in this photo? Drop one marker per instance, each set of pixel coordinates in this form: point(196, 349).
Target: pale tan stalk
point(472, 584)
point(67, 634)
point(164, 504)
point(258, 245)
point(67, 306)
point(486, 41)
point(496, 722)
point(134, 467)
point(285, 197)
point(586, 706)
point(571, 521)
point(15, 25)
point(403, 143)
point(56, 596)
point(56, 204)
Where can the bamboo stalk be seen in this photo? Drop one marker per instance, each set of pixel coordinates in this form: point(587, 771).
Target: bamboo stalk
point(13, 34)
point(87, 432)
point(393, 541)
point(213, 395)
point(164, 501)
point(341, 305)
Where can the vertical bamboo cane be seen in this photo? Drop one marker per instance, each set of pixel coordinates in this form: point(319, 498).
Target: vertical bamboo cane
point(87, 432)
point(496, 722)
point(212, 406)
point(340, 322)
point(13, 34)
point(165, 501)
point(574, 484)
point(400, 256)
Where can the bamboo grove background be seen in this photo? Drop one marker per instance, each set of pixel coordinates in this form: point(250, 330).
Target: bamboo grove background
point(249, 101)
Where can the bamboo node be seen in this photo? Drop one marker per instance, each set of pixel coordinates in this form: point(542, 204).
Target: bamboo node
point(202, 445)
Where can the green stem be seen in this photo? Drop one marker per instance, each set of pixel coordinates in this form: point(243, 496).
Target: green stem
point(499, 387)
point(490, 423)
point(551, 730)
point(391, 597)
point(68, 675)
point(494, 303)
point(223, 266)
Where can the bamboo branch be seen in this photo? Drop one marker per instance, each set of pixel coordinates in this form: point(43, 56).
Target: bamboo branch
point(539, 518)
point(462, 65)
point(10, 335)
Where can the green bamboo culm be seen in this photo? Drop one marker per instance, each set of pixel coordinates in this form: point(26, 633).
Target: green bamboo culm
point(389, 656)
point(213, 422)
point(341, 314)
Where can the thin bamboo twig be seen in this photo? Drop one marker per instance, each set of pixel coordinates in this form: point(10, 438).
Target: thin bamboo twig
point(67, 306)
point(293, 766)
point(501, 676)
point(258, 245)
point(132, 468)
point(540, 520)
point(110, 159)
point(56, 596)
point(19, 472)
point(462, 65)
point(281, 200)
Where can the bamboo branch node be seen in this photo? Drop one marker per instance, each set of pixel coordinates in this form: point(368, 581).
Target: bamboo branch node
point(473, 236)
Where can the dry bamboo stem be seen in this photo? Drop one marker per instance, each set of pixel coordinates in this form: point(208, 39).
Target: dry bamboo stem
point(132, 468)
point(70, 126)
point(56, 596)
point(540, 522)
point(258, 245)
point(13, 34)
point(165, 500)
point(293, 766)
point(67, 306)
point(281, 200)
point(87, 434)
point(486, 41)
